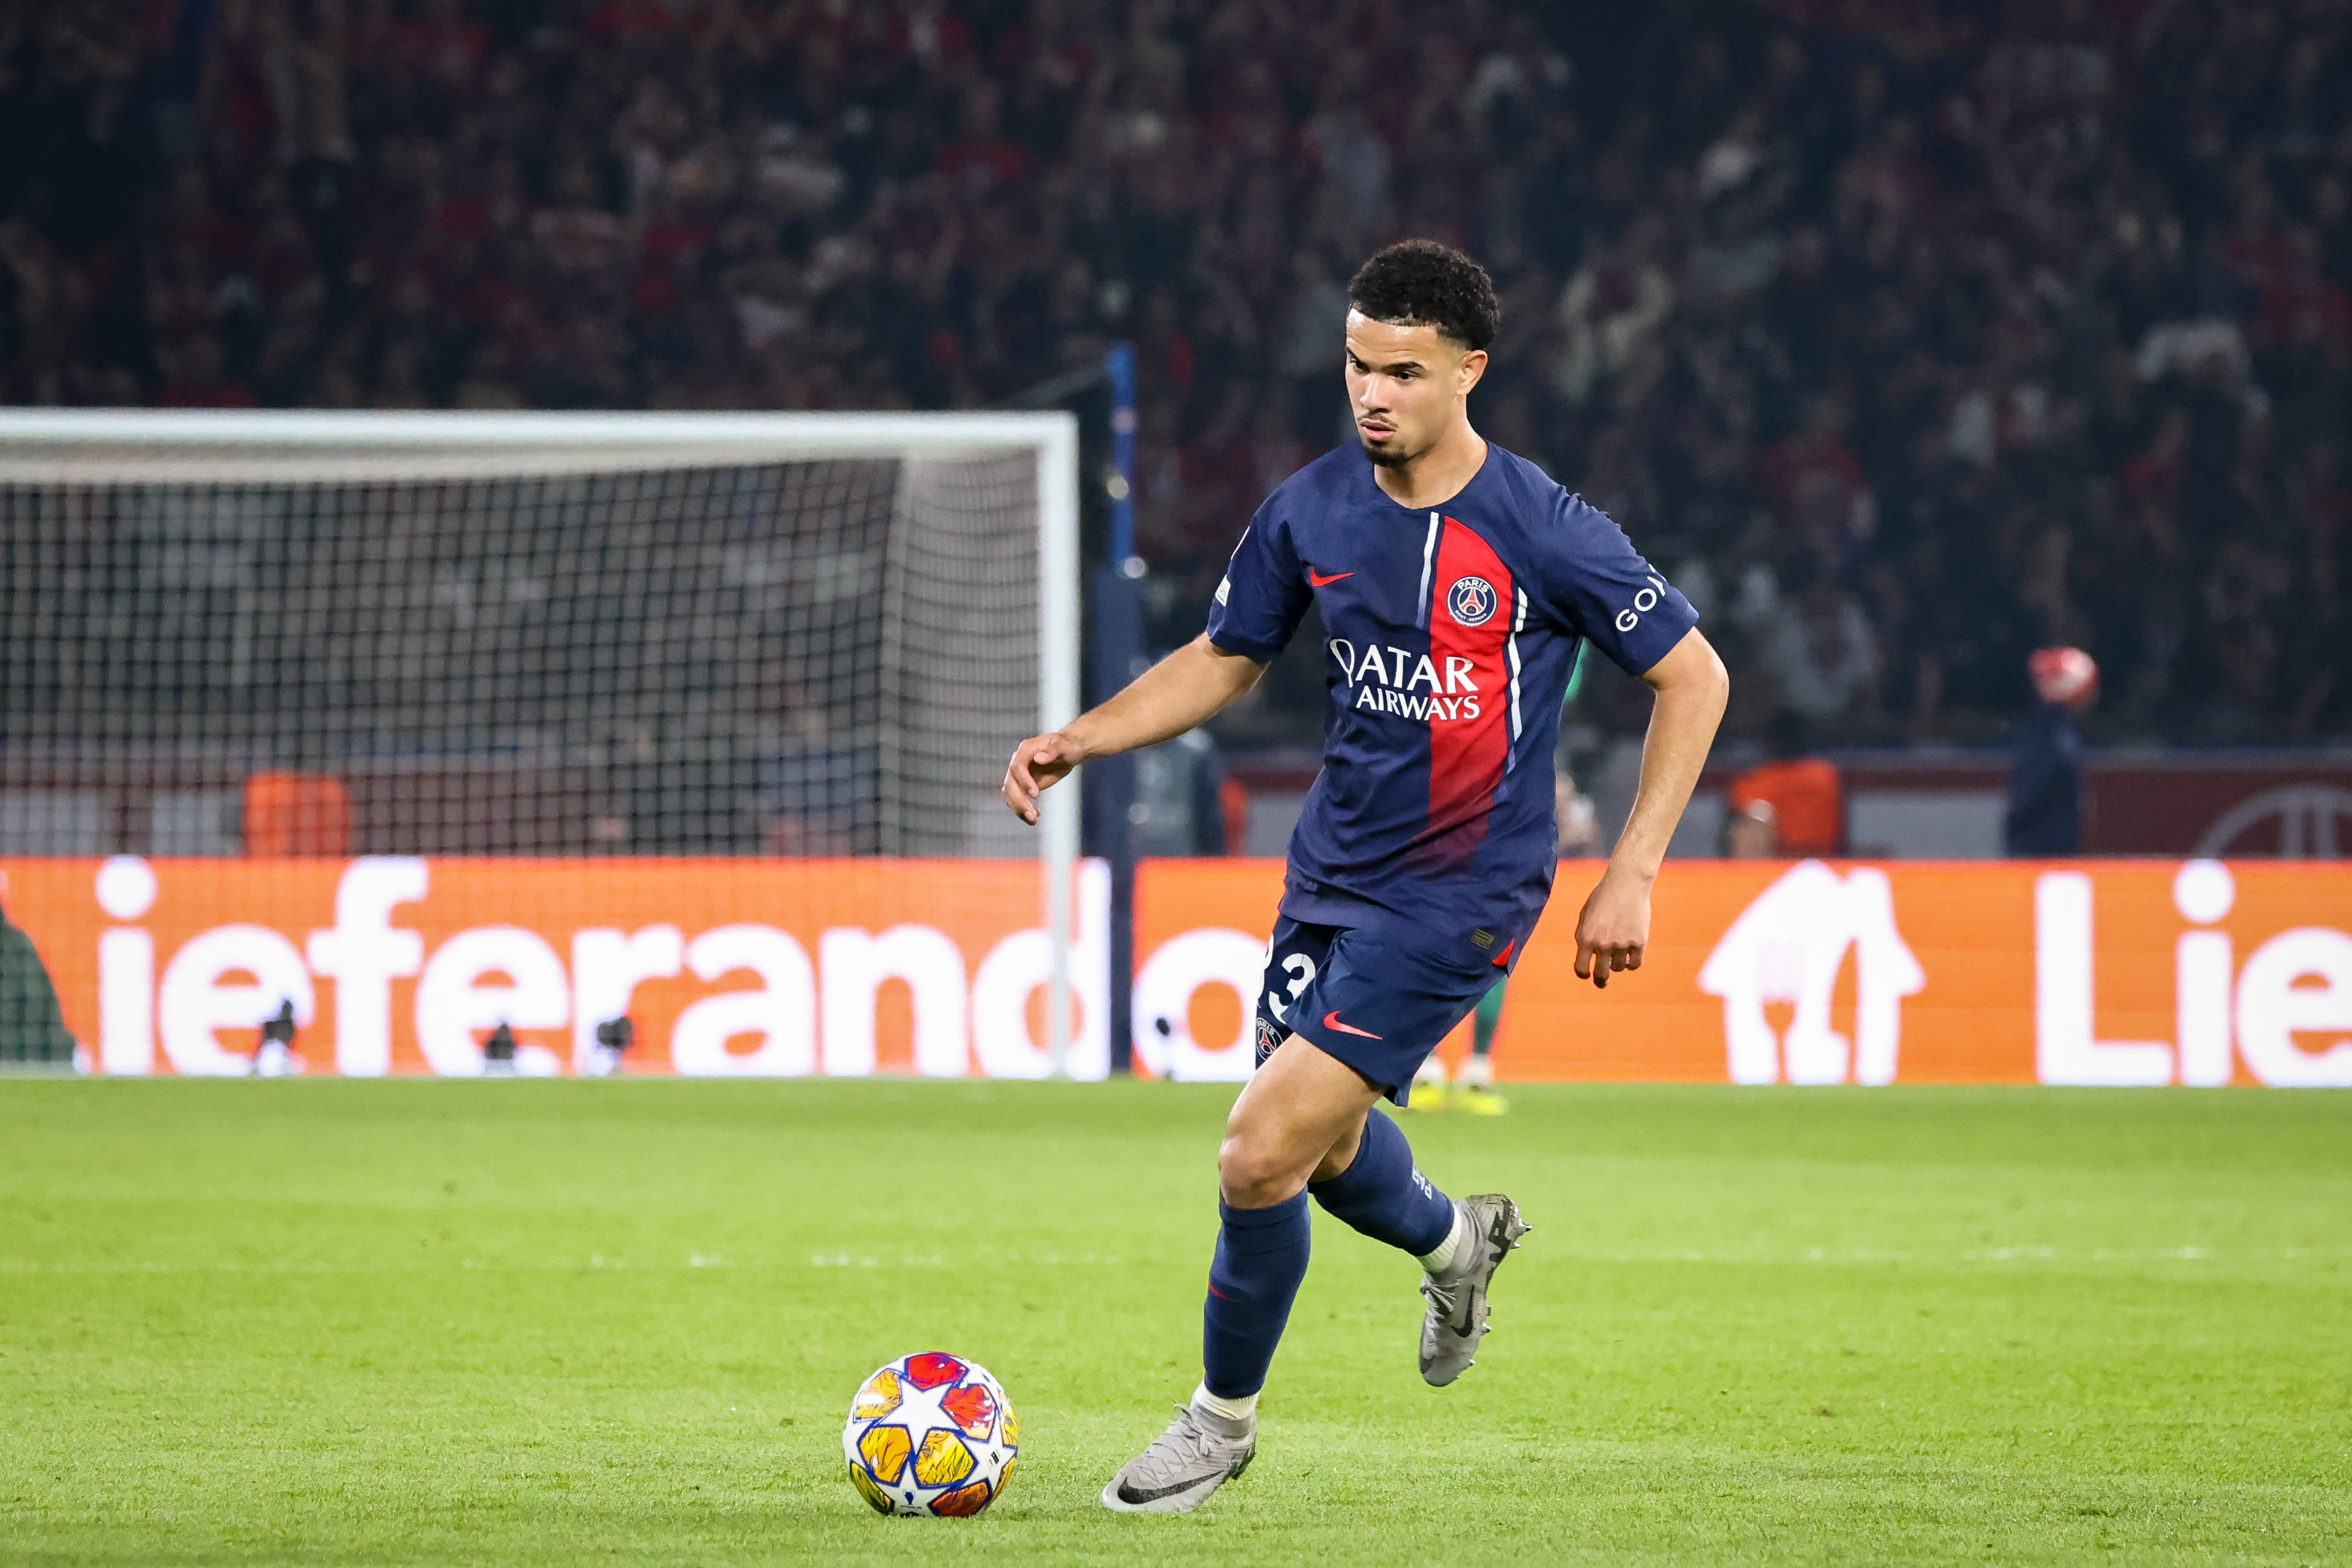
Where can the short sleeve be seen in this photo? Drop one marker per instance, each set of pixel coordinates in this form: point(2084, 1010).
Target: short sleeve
point(1597, 584)
point(1264, 593)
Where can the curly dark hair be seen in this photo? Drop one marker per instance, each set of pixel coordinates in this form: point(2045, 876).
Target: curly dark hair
point(1421, 283)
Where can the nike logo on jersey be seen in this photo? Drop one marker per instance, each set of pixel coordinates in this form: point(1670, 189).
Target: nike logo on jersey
point(1332, 1020)
point(1320, 580)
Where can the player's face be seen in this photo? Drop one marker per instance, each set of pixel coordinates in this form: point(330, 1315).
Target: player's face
point(1406, 387)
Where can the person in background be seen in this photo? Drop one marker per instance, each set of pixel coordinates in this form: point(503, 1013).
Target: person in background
point(32, 1028)
point(1803, 799)
point(1180, 799)
point(2045, 779)
point(1751, 831)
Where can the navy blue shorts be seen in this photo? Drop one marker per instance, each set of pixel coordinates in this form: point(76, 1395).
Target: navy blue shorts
point(1373, 996)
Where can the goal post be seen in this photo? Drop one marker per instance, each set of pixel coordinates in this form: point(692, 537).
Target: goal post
point(542, 634)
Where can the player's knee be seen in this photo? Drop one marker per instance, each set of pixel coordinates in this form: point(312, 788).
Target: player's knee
point(1251, 1173)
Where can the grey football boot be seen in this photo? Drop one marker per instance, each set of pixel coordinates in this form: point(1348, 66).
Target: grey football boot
point(1456, 1316)
point(1199, 1453)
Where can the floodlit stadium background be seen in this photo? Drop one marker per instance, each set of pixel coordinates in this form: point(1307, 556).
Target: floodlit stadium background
point(1905, 338)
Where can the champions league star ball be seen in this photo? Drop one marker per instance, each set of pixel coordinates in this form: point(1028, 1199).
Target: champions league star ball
point(932, 1433)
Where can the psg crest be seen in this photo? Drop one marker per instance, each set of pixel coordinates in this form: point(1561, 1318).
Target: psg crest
point(1471, 601)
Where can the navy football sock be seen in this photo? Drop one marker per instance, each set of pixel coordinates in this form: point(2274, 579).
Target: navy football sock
point(1382, 1195)
point(1261, 1258)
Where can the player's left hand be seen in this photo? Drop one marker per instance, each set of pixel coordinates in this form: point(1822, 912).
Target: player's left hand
point(1614, 927)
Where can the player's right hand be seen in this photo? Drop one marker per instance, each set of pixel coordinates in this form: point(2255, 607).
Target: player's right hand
point(1038, 763)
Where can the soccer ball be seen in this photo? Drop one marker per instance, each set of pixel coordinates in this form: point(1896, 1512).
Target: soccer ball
point(932, 1433)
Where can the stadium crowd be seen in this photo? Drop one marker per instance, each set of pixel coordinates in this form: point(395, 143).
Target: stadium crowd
point(1908, 336)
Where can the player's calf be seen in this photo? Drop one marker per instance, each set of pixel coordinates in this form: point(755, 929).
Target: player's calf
point(1383, 1195)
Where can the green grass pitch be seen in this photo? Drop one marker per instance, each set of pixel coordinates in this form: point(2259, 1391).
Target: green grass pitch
point(562, 1322)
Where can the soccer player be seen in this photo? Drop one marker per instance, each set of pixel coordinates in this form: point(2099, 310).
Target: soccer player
point(1456, 582)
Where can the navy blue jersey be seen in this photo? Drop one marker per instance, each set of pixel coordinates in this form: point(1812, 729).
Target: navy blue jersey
point(1451, 636)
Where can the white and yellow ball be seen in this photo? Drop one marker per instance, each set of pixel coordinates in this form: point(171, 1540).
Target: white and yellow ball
point(931, 1435)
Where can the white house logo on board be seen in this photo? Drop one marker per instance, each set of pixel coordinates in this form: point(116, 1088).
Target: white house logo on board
point(1471, 601)
point(1787, 947)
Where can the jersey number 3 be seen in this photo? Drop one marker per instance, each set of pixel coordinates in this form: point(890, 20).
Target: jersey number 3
point(1301, 970)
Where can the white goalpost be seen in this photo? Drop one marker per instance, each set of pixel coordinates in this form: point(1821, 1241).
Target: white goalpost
point(543, 634)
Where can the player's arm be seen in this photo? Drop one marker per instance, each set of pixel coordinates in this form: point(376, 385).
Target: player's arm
point(1691, 687)
point(1190, 686)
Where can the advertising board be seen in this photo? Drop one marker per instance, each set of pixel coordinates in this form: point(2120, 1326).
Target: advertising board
point(2117, 973)
point(2075, 973)
point(394, 964)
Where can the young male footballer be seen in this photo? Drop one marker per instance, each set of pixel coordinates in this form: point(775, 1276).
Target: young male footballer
point(1456, 582)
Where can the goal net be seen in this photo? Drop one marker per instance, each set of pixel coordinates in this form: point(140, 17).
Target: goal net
point(544, 636)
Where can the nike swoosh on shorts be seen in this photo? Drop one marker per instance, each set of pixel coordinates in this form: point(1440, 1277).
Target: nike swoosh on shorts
point(1332, 1020)
point(1320, 580)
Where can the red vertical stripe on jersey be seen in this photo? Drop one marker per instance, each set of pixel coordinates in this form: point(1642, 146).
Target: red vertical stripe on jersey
point(1466, 754)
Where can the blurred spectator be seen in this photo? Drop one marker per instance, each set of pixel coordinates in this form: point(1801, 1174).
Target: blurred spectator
point(1180, 808)
point(1752, 832)
point(1819, 649)
point(2045, 780)
point(1608, 761)
point(1609, 309)
point(1580, 824)
point(1937, 332)
point(1801, 797)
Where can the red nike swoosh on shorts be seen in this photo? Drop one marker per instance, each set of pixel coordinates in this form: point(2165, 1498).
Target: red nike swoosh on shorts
point(1332, 1020)
point(1320, 580)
